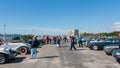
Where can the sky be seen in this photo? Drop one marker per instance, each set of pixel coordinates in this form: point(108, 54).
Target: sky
point(59, 16)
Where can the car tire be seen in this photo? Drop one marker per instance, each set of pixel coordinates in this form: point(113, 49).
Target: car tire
point(3, 59)
point(23, 50)
point(113, 50)
point(118, 61)
point(108, 53)
point(95, 47)
point(91, 48)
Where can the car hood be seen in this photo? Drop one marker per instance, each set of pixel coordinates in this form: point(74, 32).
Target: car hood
point(17, 45)
point(3, 47)
point(96, 42)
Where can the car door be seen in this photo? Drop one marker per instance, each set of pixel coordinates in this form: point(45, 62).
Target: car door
point(104, 43)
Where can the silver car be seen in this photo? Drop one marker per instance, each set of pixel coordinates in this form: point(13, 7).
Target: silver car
point(6, 53)
point(109, 48)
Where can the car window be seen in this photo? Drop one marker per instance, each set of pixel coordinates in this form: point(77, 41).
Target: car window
point(116, 40)
point(109, 40)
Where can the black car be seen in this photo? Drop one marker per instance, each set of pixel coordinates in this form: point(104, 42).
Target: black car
point(116, 54)
point(100, 45)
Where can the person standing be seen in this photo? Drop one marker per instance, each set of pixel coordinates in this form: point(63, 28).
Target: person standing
point(72, 44)
point(65, 39)
point(52, 39)
point(58, 40)
point(34, 46)
point(47, 39)
point(79, 38)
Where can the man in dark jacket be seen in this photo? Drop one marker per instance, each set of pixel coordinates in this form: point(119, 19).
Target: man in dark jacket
point(34, 46)
point(72, 44)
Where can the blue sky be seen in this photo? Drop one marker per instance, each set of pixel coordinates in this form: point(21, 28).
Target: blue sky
point(58, 16)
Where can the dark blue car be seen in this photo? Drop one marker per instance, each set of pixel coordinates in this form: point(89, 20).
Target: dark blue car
point(116, 54)
point(100, 45)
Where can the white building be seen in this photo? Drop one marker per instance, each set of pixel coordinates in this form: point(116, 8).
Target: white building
point(73, 32)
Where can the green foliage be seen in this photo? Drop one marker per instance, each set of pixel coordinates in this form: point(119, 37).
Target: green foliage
point(115, 34)
point(26, 37)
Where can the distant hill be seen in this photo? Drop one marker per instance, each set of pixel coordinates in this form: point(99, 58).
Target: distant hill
point(10, 35)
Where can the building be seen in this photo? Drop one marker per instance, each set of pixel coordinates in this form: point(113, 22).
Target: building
point(73, 32)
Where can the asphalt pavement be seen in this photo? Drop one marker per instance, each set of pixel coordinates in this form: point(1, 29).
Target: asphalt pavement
point(49, 56)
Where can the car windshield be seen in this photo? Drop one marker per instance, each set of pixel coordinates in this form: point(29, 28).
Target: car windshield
point(117, 50)
point(109, 40)
point(112, 40)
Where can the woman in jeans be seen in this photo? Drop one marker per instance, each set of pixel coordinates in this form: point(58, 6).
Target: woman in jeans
point(34, 46)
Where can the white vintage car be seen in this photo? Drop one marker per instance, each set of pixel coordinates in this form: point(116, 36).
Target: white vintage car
point(6, 53)
point(22, 48)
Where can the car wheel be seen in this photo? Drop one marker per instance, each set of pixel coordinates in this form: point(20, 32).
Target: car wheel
point(118, 61)
point(95, 47)
point(113, 50)
point(2, 58)
point(112, 54)
point(107, 53)
point(23, 50)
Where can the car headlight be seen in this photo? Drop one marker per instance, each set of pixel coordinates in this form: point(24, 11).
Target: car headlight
point(107, 47)
point(6, 49)
point(117, 53)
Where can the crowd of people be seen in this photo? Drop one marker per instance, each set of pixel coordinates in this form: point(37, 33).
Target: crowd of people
point(56, 40)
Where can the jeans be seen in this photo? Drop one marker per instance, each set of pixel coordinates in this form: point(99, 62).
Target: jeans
point(72, 45)
point(34, 53)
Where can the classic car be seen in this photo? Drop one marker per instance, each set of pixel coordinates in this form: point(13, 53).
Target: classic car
point(22, 48)
point(6, 53)
point(109, 48)
point(116, 54)
point(100, 45)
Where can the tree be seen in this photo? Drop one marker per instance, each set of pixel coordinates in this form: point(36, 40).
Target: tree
point(114, 34)
point(26, 37)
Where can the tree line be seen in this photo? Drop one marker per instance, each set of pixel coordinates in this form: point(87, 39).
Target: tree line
point(85, 34)
point(115, 34)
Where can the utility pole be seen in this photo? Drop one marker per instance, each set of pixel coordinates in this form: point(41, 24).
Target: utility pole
point(4, 33)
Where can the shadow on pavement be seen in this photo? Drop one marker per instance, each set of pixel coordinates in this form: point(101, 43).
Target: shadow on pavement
point(81, 49)
point(63, 46)
point(48, 57)
point(16, 60)
point(39, 46)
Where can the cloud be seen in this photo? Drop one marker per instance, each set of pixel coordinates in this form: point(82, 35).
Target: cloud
point(116, 26)
point(117, 23)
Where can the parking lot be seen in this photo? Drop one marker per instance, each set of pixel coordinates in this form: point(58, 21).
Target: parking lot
point(49, 56)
